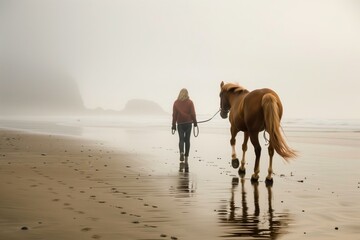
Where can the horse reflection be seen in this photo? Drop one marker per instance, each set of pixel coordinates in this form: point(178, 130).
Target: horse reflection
point(269, 225)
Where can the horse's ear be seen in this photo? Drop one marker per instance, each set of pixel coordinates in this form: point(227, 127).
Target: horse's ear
point(221, 84)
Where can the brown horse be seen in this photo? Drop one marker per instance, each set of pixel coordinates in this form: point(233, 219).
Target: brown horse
point(253, 112)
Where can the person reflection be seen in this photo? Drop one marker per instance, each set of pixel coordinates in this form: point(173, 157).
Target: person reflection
point(184, 167)
point(185, 187)
point(267, 225)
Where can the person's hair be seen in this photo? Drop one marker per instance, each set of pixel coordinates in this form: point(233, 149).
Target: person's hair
point(183, 95)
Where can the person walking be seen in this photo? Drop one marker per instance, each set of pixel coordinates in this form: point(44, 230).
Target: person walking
point(184, 116)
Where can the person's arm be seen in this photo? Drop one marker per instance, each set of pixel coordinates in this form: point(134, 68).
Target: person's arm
point(174, 117)
point(193, 114)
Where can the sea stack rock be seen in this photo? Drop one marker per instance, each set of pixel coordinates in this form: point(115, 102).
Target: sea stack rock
point(142, 107)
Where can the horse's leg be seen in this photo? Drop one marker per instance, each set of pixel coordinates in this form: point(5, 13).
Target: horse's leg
point(256, 198)
point(234, 160)
point(242, 170)
point(255, 142)
point(269, 179)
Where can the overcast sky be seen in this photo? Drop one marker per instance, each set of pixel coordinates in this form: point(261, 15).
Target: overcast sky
point(307, 51)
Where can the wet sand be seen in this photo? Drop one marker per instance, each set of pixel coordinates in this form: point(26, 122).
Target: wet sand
point(56, 187)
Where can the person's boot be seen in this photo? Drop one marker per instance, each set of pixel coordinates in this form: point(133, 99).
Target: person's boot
point(182, 157)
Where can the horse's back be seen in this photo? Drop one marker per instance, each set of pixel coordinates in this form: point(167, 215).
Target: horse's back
point(253, 110)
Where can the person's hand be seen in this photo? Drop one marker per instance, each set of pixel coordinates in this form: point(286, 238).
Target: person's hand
point(195, 124)
point(173, 128)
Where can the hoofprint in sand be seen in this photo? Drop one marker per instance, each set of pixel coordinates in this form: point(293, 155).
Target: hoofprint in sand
point(70, 188)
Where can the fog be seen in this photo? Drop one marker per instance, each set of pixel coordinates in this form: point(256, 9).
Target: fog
point(114, 51)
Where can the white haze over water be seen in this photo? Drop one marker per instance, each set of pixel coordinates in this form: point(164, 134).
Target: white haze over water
point(94, 127)
point(307, 51)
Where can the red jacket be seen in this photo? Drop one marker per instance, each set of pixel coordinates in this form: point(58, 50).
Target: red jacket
point(183, 111)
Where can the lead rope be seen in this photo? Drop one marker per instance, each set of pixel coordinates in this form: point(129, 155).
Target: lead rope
point(196, 132)
point(196, 129)
point(267, 141)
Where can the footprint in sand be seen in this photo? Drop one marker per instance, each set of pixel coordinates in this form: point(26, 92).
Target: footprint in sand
point(86, 229)
point(150, 226)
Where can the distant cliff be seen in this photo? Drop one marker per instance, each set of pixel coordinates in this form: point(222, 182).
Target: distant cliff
point(29, 92)
point(142, 107)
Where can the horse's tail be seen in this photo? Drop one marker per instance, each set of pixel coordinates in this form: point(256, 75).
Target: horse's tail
point(270, 104)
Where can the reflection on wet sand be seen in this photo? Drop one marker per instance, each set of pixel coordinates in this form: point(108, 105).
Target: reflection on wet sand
point(185, 186)
point(245, 224)
point(184, 167)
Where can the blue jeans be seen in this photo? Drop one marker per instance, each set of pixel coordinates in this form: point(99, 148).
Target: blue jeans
point(184, 131)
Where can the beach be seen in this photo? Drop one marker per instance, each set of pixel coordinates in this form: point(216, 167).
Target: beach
point(101, 181)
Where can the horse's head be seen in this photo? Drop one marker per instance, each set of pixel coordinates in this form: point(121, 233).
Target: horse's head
point(229, 92)
point(224, 101)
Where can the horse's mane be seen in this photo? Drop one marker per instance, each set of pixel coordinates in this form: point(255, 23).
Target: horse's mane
point(232, 87)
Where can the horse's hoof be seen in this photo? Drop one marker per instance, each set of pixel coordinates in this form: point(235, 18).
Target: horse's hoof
point(242, 172)
point(235, 163)
point(254, 179)
point(269, 182)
